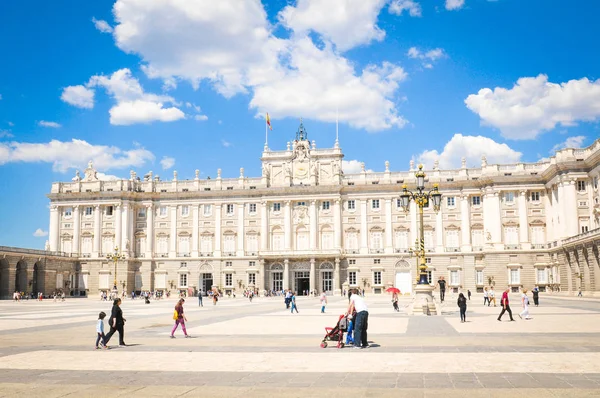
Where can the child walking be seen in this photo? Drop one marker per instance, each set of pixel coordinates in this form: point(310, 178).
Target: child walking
point(293, 302)
point(100, 331)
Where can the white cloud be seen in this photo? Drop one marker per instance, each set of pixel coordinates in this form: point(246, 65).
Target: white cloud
point(428, 57)
point(107, 177)
point(11, 124)
point(102, 25)
point(78, 96)
point(226, 144)
point(44, 123)
point(399, 6)
point(347, 23)
point(167, 162)
point(40, 232)
point(353, 167)
point(320, 82)
point(571, 142)
point(472, 148)
point(6, 134)
point(535, 105)
point(454, 4)
point(133, 105)
point(201, 118)
point(74, 154)
point(233, 47)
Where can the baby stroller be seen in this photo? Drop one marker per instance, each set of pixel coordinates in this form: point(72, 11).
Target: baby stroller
point(336, 333)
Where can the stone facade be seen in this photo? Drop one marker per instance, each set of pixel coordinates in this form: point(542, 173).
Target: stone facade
point(305, 225)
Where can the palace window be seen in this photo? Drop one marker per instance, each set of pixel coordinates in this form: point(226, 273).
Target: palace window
point(206, 244)
point(511, 235)
point(377, 277)
point(228, 280)
point(428, 236)
point(326, 205)
point(229, 243)
point(252, 263)
point(376, 261)
point(509, 197)
point(452, 239)
point(351, 205)
point(477, 237)
point(479, 277)
point(141, 212)
point(89, 210)
point(163, 245)
point(402, 240)
point(230, 209)
point(351, 240)
point(535, 196)
point(109, 210)
point(515, 277)
point(454, 278)
point(581, 186)
point(185, 211)
point(301, 204)
point(277, 281)
point(184, 245)
point(252, 278)
point(375, 203)
point(538, 236)
point(450, 201)
point(68, 212)
point(376, 240)
point(276, 206)
point(183, 280)
point(162, 211)
point(476, 200)
point(542, 275)
point(252, 208)
point(228, 263)
point(207, 210)
point(352, 262)
point(352, 278)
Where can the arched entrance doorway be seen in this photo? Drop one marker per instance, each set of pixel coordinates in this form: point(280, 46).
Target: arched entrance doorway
point(37, 285)
point(403, 279)
point(4, 293)
point(21, 277)
point(205, 281)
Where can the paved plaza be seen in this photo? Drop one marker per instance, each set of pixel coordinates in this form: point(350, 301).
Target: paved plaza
point(260, 349)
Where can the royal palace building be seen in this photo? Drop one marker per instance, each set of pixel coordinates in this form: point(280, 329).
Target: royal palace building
point(305, 225)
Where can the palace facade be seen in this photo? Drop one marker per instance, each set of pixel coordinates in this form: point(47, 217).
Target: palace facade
point(305, 225)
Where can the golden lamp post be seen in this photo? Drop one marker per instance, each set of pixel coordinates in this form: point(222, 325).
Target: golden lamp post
point(115, 257)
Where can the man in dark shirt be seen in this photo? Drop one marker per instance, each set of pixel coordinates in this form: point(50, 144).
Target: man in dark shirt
point(442, 284)
point(505, 306)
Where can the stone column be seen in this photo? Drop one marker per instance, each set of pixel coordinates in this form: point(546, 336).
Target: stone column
point(439, 232)
point(261, 275)
point(364, 233)
point(264, 226)
point(336, 278)
point(523, 222)
point(389, 243)
point(570, 206)
point(465, 223)
point(312, 275)
point(286, 274)
point(173, 233)
point(548, 209)
point(240, 230)
point(119, 227)
point(287, 225)
point(337, 225)
point(414, 231)
point(76, 230)
point(218, 230)
point(125, 230)
point(150, 231)
point(54, 228)
point(314, 233)
point(96, 249)
point(131, 232)
point(562, 214)
point(195, 229)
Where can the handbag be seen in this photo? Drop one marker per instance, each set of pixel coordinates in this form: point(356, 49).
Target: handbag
point(175, 315)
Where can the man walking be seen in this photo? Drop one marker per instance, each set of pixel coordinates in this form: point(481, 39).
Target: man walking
point(442, 284)
point(200, 298)
point(357, 303)
point(505, 306)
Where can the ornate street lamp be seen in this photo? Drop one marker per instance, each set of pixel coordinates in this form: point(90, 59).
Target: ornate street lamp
point(115, 257)
point(421, 198)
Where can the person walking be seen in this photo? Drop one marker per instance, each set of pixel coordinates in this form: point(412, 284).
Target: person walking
point(100, 331)
point(536, 296)
point(491, 296)
point(462, 305)
point(288, 299)
point(293, 303)
point(323, 299)
point(179, 318)
point(505, 306)
point(395, 302)
point(116, 323)
point(525, 305)
point(200, 298)
point(469, 294)
point(357, 303)
point(442, 283)
point(486, 298)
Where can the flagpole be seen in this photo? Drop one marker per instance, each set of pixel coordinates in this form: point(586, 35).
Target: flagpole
point(337, 142)
point(266, 133)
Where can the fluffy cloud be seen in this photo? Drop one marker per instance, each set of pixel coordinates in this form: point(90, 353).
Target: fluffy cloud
point(353, 167)
point(65, 155)
point(427, 57)
point(319, 82)
point(6, 134)
point(201, 118)
point(454, 4)
point(44, 123)
point(472, 148)
point(399, 6)
point(226, 144)
point(40, 233)
point(233, 47)
point(167, 162)
point(571, 142)
point(133, 104)
point(79, 96)
point(102, 25)
point(535, 105)
point(345, 23)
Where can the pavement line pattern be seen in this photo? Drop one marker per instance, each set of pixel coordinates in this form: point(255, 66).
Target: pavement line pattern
point(124, 360)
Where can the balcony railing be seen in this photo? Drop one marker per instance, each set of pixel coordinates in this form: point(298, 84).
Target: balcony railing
point(230, 254)
point(375, 251)
point(512, 247)
point(539, 246)
point(206, 254)
point(35, 251)
point(452, 249)
point(405, 250)
point(251, 253)
point(581, 236)
point(477, 248)
point(183, 255)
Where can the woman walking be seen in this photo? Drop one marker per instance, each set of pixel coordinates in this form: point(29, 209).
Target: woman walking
point(395, 302)
point(525, 304)
point(116, 323)
point(486, 299)
point(462, 305)
point(179, 318)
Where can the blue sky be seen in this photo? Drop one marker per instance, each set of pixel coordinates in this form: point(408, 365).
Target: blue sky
point(169, 85)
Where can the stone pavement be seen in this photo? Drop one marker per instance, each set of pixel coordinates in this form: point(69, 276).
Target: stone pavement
point(257, 349)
